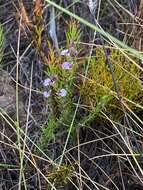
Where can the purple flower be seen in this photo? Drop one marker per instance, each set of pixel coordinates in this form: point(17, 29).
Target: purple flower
point(65, 52)
point(47, 82)
point(67, 65)
point(46, 94)
point(62, 92)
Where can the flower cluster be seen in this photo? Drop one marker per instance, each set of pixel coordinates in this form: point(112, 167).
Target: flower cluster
point(67, 65)
point(65, 52)
point(46, 94)
point(62, 92)
point(49, 82)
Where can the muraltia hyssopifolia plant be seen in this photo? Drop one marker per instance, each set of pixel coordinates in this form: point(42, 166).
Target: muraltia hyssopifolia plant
point(59, 85)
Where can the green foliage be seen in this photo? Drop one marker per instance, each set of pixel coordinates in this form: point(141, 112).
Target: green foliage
point(1, 42)
point(95, 111)
point(73, 33)
point(48, 130)
point(100, 83)
point(38, 35)
point(60, 176)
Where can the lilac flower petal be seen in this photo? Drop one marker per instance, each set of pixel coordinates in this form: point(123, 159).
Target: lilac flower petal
point(46, 94)
point(65, 52)
point(62, 92)
point(67, 65)
point(47, 82)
